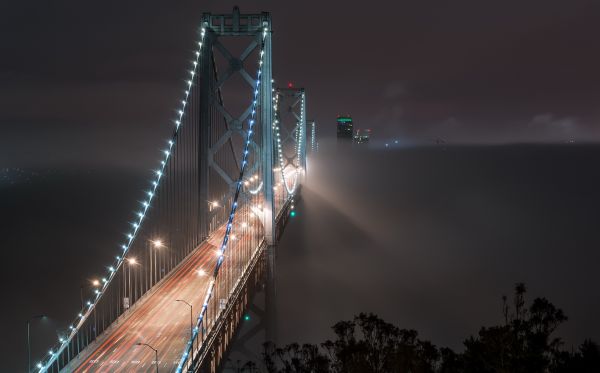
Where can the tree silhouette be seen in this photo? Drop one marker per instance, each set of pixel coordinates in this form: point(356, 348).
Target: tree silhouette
point(524, 343)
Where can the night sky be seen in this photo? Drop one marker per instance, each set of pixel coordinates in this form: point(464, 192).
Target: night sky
point(79, 77)
point(87, 92)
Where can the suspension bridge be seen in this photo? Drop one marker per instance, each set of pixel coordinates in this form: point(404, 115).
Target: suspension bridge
point(201, 241)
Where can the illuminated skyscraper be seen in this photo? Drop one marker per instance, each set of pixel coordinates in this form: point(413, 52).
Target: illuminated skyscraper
point(344, 127)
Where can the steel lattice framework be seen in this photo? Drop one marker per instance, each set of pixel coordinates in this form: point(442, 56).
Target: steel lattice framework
point(222, 175)
point(290, 133)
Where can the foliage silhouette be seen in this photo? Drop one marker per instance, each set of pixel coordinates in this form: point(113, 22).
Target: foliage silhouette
point(524, 343)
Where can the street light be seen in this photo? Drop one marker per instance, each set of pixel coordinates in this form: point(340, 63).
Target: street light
point(155, 352)
point(130, 262)
point(95, 283)
point(191, 323)
point(157, 244)
point(29, 341)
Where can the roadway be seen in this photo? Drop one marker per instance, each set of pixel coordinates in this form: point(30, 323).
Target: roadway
point(157, 320)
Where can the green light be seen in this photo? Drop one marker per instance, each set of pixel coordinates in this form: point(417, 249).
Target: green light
point(293, 213)
point(344, 120)
point(246, 317)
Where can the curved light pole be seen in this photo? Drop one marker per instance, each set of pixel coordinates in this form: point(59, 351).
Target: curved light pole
point(212, 206)
point(130, 262)
point(29, 341)
point(191, 323)
point(95, 284)
point(156, 244)
point(153, 349)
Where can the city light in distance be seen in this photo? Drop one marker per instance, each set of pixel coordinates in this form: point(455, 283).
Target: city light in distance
point(95, 282)
point(132, 261)
point(157, 244)
point(201, 272)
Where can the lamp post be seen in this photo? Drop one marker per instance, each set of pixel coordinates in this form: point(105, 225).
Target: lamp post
point(130, 262)
point(157, 244)
point(191, 323)
point(153, 349)
point(96, 285)
point(29, 341)
point(213, 205)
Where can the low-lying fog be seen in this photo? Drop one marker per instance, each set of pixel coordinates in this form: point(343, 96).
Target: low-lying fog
point(431, 238)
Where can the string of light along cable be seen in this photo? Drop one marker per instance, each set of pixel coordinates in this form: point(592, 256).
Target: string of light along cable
point(291, 190)
point(131, 236)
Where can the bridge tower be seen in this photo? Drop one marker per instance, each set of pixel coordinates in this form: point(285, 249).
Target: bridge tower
point(246, 33)
point(311, 134)
point(249, 28)
point(291, 135)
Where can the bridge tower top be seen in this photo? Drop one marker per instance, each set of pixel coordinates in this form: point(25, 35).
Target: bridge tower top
point(236, 23)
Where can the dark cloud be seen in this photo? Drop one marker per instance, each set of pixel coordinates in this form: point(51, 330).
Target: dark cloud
point(402, 69)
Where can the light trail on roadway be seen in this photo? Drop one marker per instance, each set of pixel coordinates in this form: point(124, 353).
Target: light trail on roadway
point(159, 320)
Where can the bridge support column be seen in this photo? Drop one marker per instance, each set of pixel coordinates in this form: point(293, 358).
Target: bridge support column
point(266, 112)
point(270, 296)
point(304, 138)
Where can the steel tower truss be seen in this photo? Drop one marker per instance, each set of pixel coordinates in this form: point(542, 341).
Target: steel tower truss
point(217, 141)
point(290, 126)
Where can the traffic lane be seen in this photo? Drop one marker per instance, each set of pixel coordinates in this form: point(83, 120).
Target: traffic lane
point(156, 320)
point(143, 323)
point(121, 353)
point(172, 337)
point(111, 350)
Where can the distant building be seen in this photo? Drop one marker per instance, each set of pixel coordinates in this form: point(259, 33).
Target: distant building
point(344, 127)
point(361, 136)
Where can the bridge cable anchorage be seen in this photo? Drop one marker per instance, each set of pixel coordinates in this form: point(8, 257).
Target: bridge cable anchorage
point(299, 138)
point(87, 310)
point(184, 358)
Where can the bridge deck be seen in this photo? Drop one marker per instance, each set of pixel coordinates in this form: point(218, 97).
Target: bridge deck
point(157, 320)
